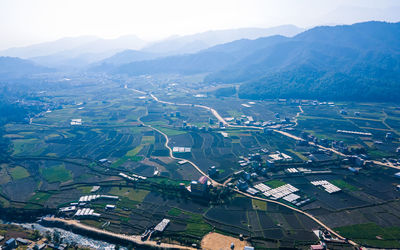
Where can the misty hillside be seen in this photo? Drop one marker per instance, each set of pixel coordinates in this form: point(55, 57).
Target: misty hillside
point(74, 52)
point(179, 45)
point(47, 48)
point(79, 52)
point(12, 67)
point(201, 41)
point(75, 46)
point(120, 58)
point(128, 56)
point(324, 62)
point(209, 60)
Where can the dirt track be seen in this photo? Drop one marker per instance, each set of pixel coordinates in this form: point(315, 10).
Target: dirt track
point(131, 238)
point(215, 113)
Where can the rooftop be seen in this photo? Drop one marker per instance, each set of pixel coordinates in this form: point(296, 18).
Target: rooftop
point(203, 179)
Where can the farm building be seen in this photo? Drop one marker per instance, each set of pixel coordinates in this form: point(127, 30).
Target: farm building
point(88, 198)
point(199, 187)
point(181, 150)
point(110, 207)
point(75, 122)
point(162, 225)
point(329, 187)
point(86, 212)
point(10, 244)
point(68, 209)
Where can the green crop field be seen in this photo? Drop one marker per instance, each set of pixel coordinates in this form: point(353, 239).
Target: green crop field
point(371, 234)
point(148, 139)
point(344, 185)
point(134, 151)
point(259, 205)
point(170, 131)
point(50, 163)
point(56, 174)
point(196, 225)
point(19, 173)
point(274, 183)
point(174, 212)
point(40, 197)
point(23, 145)
point(132, 194)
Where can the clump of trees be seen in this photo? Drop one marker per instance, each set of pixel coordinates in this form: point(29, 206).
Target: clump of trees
point(225, 92)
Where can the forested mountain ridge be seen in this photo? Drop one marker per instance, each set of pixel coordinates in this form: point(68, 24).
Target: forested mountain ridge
point(346, 62)
point(358, 62)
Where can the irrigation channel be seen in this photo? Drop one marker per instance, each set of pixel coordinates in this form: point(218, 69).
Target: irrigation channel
point(219, 118)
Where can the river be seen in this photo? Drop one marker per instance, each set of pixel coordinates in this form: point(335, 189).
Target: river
point(69, 237)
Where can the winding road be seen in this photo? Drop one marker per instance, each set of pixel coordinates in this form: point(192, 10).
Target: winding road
point(215, 183)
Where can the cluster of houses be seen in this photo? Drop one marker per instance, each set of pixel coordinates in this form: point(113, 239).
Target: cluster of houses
point(75, 122)
point(21, 243)
point(191, 127)
point(199, 187)
point(304, 102)
point(80, 208)
point(254, 167)
point(250, 121)
point(132, 177)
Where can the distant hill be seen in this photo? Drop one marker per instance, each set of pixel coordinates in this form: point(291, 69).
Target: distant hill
point(360, 61)
point(196, 42)
point(180, 45)
point(47, 48)
point(209, 60)
point(75, 46)
point(124, 57)
point(346, 62)
point(128, 56)
point(104, 54)
point(12, 67)
point(74, 52)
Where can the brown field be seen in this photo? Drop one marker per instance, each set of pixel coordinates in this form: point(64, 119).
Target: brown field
point(213, 241)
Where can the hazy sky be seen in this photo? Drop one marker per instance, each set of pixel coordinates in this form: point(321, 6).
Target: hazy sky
point(24, 22)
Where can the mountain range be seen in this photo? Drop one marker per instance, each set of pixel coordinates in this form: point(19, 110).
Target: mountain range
point(343, 62)
point(80, 52)
point(74, 51)
point(359, 61)
point(197, 42)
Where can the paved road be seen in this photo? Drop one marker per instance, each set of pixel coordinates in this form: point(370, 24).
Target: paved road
point(215, 113)
point(299, 211)
point(297, 115)
point(388, 164)
point(171, 155)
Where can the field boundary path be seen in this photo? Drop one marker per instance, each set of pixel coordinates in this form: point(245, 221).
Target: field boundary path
point(299, 211)
point(215, 113)
point(171, 154)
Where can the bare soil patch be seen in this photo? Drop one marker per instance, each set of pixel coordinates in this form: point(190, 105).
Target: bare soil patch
point(213, 241)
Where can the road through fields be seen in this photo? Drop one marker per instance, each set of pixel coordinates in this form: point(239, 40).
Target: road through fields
point(216, 114)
